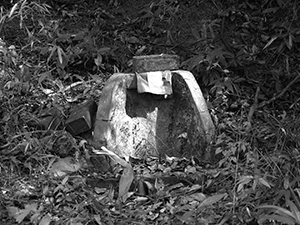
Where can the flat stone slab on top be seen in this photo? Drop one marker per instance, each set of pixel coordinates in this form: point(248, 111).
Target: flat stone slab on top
point(138, 125)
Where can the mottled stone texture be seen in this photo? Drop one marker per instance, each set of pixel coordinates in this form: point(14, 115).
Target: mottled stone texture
point(139, 125)
point(147, 63)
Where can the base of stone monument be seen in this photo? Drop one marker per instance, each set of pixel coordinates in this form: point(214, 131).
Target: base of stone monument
point(143, 124)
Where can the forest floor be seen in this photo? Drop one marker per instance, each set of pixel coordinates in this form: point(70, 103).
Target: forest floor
point(54, 57)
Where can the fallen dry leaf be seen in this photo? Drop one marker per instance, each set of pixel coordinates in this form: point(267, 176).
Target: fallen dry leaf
point(127, 176)
point(64, 166)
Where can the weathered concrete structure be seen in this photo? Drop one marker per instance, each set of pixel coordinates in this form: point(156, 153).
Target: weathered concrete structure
point(141, 124)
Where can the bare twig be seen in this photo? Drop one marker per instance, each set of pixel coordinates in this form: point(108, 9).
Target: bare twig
point(281, 93)
point(253, 108)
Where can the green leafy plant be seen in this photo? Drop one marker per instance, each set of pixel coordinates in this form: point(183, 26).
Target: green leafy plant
point(286, 215)
point(244, 56)
point(25, 12)
point(159, 17)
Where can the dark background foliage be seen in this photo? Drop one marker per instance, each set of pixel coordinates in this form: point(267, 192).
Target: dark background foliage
point(244, 55)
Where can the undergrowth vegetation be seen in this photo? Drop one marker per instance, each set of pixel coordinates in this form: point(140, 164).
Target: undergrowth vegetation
point(244, 55)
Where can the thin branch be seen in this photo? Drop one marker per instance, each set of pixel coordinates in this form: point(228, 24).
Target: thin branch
point(281, 93)
point(253, 108)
